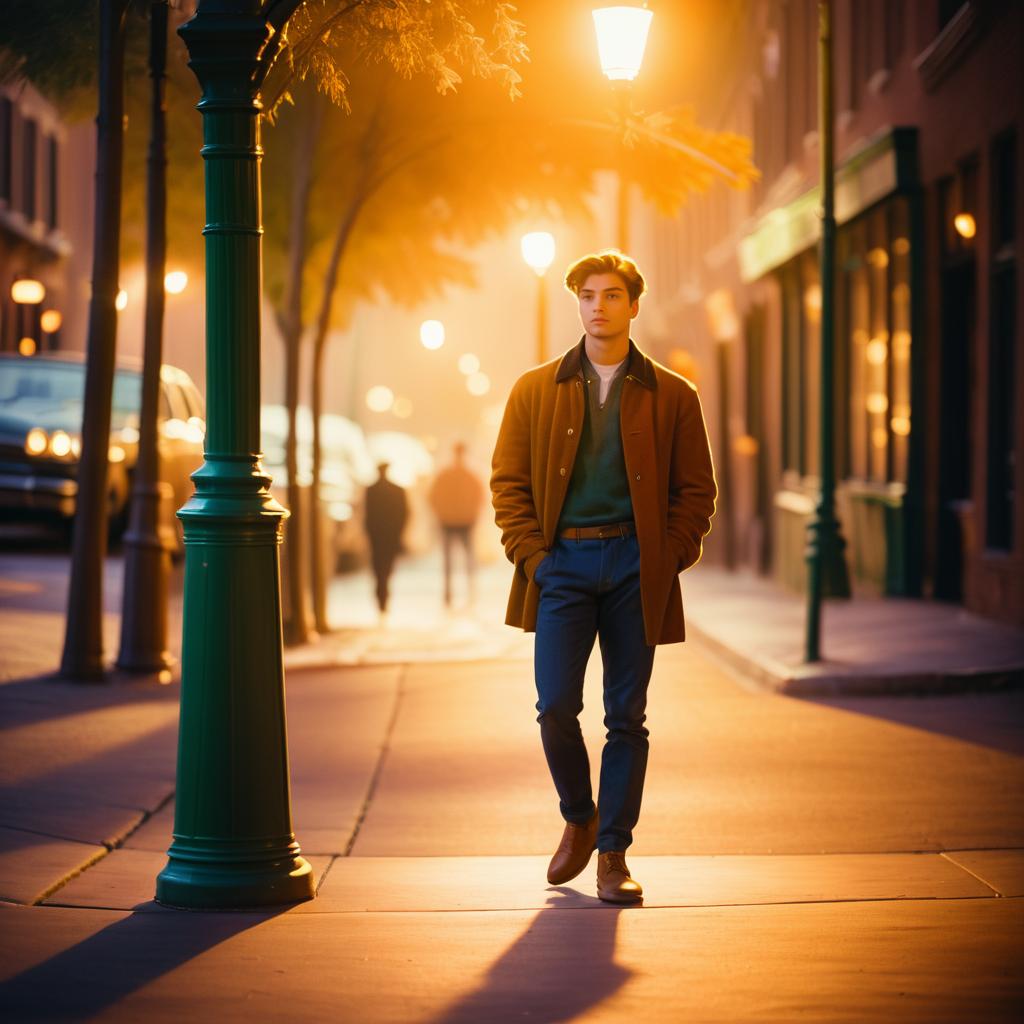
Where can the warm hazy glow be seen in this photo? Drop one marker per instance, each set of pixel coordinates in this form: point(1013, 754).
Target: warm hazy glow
point(28, 291)
point(879, 437)
point(901, 344)
point(538, 250)
point(27, 346)
point(121, 302)
point(621, 40)
point(116, 453)
point(175, 282)
point(432, 334)
point(878, 258)
point(900, 425)
point(402, 408)
point(380, 398)
point(36, 441)
point(60, 443)
point(877, 402)
point(812, 302)
point(468, 363)
point(51, 320)
point(965, 225)
point(901, 246)
point(478, 384)
point(876, 352)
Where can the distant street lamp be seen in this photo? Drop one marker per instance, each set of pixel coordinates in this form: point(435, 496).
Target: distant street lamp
point(175, 282)
point(621, 41)
point(539, 252)
point(432, 334)
point(28, 292)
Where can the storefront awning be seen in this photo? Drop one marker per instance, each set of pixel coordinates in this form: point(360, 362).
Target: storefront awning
point(886, 164)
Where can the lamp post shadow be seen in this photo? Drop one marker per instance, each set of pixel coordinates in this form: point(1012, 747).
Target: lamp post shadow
point(561, 966)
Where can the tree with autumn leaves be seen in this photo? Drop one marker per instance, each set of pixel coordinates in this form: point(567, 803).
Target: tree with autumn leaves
point(399, 128)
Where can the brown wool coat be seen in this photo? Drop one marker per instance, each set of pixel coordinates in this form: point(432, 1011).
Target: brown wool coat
point(668, 461)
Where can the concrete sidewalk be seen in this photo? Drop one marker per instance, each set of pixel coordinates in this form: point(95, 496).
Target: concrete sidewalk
point(842, 858)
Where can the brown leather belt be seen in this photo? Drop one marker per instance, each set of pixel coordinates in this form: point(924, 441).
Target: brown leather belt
point(599, 532)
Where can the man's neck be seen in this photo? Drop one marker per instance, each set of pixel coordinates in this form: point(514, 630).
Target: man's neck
point(607, 351)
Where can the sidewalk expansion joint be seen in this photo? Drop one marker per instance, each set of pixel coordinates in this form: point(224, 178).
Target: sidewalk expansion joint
point(108, 845)
point(946, 856)
point(381, 758)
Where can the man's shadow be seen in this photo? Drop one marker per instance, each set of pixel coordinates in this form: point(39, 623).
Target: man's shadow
point(560, 967)
point(122, 958)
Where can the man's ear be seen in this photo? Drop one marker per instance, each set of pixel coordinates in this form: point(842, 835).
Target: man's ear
point(634, 309)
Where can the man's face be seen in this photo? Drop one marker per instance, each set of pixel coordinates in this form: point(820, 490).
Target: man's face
point(605, 309)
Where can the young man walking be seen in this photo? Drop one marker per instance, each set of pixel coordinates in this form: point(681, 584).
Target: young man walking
point(603, 489)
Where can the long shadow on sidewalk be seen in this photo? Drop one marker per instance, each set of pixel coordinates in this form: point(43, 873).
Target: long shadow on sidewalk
point(117, 961)
point(562, 966)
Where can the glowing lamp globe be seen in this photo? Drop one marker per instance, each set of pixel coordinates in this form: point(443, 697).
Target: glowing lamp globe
point(432, 334)
point(538, 250)
point(621, 40)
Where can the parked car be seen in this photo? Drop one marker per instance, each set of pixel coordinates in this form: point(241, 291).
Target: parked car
point(40, 423)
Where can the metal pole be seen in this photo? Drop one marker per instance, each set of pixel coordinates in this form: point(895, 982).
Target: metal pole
point(146, 558)
point(826, 566)
point(233, 840)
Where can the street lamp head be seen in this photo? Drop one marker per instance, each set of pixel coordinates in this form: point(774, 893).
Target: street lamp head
point(432, 334)
point(26, 291)
point(538, 251)
point(621, 40)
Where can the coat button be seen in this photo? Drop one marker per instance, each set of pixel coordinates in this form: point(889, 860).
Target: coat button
point(570, 431)
point(638, 476)
point(562, 471)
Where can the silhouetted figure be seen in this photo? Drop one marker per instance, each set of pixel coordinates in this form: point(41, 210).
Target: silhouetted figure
point(386, 513)
point(456, 497)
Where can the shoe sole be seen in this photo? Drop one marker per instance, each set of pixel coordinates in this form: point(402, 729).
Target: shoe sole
point(561, 880)
point(618, 897)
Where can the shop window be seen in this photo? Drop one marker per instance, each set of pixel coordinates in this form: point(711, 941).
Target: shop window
point(875, 327)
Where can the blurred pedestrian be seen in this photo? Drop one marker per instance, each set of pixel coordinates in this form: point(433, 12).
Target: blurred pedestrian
point(386, 513)
point(456, 496)
point(603, 489)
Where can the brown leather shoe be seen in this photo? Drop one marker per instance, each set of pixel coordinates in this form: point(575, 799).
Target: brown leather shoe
point(573, 853)
point(613, 882)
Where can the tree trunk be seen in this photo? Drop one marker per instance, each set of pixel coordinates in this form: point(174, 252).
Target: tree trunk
point(146, 557)
point(83, 638)
point(297, 629)
point(323, 324)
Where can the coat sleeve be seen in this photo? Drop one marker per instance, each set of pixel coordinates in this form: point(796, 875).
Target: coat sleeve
point(692, 486)
point(512, 489)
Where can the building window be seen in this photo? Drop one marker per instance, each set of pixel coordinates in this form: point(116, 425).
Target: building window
point(52, 164)
point(875, 323)
point(28, 170)
point(6, 148)
point(1002, 455)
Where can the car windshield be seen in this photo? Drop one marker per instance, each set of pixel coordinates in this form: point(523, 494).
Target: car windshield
point(57, 388)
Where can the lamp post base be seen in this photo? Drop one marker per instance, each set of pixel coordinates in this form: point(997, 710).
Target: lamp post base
point(200, 878)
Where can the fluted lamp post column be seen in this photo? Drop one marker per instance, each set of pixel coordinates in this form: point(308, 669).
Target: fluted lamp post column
point(538, 249)
point(621, 41)
point(233, 841)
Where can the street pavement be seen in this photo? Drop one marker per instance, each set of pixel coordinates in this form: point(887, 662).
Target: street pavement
point(842, 857)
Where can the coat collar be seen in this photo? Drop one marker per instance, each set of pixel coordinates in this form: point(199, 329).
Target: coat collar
point(638, 365)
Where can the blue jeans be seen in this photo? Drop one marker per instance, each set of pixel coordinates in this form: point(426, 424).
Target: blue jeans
point(588, 589)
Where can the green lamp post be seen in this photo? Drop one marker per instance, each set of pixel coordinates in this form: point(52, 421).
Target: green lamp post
point(826, 564)
point(233, 840)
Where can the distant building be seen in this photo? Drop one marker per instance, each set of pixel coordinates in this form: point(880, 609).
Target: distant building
point(929, 102)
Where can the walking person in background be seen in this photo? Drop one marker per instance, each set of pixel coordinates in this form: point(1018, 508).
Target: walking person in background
point(386, 513)
point(456, 496)
point(603, 489)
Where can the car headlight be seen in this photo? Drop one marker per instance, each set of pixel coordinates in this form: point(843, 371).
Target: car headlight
point(36, 441)
point(60, 443)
